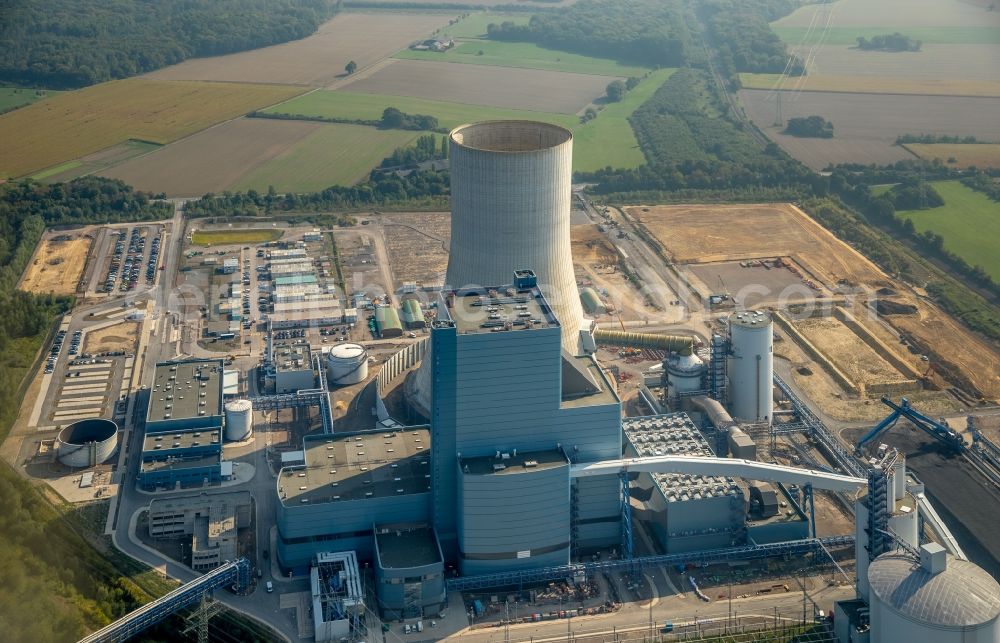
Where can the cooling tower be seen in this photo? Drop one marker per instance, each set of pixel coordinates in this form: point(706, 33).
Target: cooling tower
point(510, 202)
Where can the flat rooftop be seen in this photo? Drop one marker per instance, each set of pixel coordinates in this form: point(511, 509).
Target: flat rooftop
point(292, 357)
point(605, 394)
point(401, 549)
point(183, 390)
point(676, 434)
point(357, 466)
point(497, 309)
point(509, 464)
point(177, 465)
point(180, 439)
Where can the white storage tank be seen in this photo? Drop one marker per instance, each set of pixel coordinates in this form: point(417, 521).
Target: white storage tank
point(239, 420)
point(87, 443)
point(347, 364)
point(938, 599)
point(751, 366)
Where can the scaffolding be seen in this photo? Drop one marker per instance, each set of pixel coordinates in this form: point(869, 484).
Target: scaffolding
point(717, 367)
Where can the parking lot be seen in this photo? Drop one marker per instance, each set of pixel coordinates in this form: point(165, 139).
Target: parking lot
point(129, 257)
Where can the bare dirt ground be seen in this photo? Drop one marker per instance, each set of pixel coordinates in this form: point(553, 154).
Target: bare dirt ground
point(866, 125)
point(58, 264)
point(319, 59)
point(417, 243)
point(847, 351)
point(212, 160)
point(953, 343)
point(530, 89)
point(710, 233)
point(120, 337)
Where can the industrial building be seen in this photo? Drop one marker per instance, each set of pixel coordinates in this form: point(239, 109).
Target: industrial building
point(338, 598)
point(211, 521)
point(184, 423)
point(409, 571)
point(387, 322)
point(292, 367)
point(413, 315)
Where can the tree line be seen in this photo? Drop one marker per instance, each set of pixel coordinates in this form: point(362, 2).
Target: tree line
point(646, 32)
point(743, 39)
point(425, 148)
point(66, 44)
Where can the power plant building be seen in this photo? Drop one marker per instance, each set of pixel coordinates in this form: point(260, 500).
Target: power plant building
point(293, 368)
point(184, 421)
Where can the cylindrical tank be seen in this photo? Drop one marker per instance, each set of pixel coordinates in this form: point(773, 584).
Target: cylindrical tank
point(751, 366)
point(239, 420)
point(347, 364)
point(87, 443)
point(510, 210)
point(684, 374)
point(942, 600)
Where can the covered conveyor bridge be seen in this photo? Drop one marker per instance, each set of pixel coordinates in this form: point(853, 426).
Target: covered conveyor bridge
point(732, 467)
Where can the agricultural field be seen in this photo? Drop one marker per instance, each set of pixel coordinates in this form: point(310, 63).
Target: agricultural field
point(349, 105)
point(474, 24)
point(530, 89)
point(319, 59)
point(58, 264)
point(866, 125)
point(981, 155)
point(711, 233)
point(969, 222)
point(95, 163)
point(65, 127)
point(13, 97)
point(606, 140)
point(524, 55)
point(232, 237)
point(334, 154)
point(960, 43)
point(212, 160)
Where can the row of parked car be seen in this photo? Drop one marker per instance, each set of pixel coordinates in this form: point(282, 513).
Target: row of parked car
point(57, 344)
point(129, 266)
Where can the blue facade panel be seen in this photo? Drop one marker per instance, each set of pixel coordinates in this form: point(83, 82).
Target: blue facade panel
point(308, 529)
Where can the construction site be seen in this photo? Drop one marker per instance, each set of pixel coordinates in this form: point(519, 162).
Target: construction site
point(539, 417)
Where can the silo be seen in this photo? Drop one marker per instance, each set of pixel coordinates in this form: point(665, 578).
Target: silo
point(347, 364)
point(751, 366)
point(239, 420)
point(936, 599)
point(684, 374)
point(87, 442)
point(510, 203)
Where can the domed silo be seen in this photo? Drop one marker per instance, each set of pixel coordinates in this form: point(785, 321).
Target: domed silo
point(87, 443)
point(684, 373)
point(239, 420)
point(347, 364)
point(751, 366)
point(937, 599)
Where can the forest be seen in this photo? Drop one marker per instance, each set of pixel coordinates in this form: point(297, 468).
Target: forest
point(646, 32)
point(743, 39)
point(691, 145)
point(67, 44)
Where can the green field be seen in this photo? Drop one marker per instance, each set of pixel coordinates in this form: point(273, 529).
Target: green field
point(13, 97)
point(969, 222)
point(337, 154)
point(927, 35)
point(525, 55)
point(230, 237)
point(609, 139)
point(474, 25)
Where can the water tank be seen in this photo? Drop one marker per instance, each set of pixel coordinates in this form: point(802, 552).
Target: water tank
point(684, 374)
point(751, 366)
point(239, 420)
point(938, 599)
point(87, 443)
point(347, 364)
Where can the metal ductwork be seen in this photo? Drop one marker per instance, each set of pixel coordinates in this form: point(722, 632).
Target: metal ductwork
point(673, 343)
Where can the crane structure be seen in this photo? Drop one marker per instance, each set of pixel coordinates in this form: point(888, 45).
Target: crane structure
point(933, 428)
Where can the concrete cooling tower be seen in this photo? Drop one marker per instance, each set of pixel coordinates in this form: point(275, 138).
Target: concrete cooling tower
point(510, 202)
point(510, 210)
